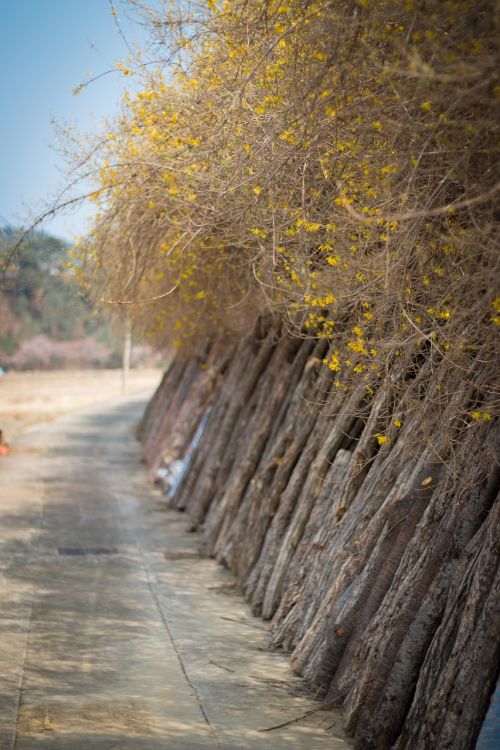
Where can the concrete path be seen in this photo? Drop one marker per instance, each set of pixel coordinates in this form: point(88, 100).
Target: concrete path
point(113, 632)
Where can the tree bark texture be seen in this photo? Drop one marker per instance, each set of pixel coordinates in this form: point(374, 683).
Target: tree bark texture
point(376, 561)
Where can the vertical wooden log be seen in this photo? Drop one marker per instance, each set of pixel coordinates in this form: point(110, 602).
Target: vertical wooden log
point(290, 429)
point(461, 665)
point(240, 383)
point(151, 442)
point(145, 425)
point(365, 449)
point(256, 584)
point(270, 394)
point(290, 611)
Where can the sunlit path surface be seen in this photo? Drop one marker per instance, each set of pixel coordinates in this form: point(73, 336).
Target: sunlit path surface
point(113, 633)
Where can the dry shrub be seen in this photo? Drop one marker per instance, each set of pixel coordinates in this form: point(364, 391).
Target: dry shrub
point(333, 163)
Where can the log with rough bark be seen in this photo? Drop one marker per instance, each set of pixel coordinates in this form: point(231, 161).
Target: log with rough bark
point(213, 459)
point(377, 561)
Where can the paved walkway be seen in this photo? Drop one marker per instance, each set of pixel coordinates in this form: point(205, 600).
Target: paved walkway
point(113, 633)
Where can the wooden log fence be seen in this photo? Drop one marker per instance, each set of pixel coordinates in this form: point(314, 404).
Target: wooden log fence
point(377, 564)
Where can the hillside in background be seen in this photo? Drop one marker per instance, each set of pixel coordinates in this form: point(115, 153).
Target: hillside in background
point(45, 321)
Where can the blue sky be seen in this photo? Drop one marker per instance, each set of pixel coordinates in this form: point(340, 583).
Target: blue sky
point(47, 47)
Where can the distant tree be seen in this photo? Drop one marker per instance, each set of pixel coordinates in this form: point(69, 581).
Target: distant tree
point(39, 296)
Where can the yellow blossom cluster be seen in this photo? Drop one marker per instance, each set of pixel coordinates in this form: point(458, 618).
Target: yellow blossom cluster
point(332, 163)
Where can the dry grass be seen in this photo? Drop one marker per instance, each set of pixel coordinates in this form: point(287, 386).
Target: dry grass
point(28, 398)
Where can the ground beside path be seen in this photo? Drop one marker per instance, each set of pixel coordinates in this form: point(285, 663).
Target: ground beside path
point(113, 633)
point(35, 396)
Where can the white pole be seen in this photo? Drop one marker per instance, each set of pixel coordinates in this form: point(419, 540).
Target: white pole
point(127, 348)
